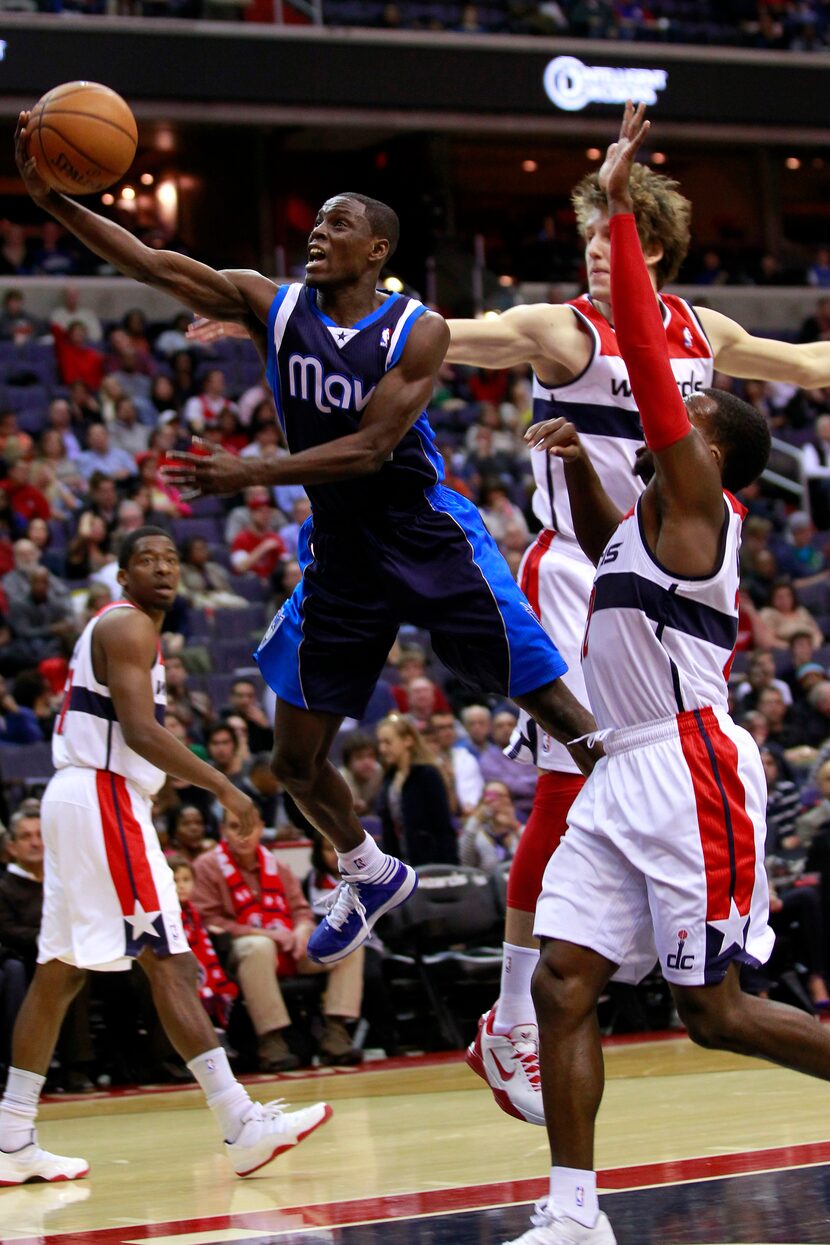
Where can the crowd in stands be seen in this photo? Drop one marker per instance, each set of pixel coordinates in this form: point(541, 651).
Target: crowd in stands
point(800, 25)
point(88, 412)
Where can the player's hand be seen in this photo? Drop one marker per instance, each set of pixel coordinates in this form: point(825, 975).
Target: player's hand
point(212, 470)
point(240, 805)
point(619, 160)
point(205, 332)
point(27, 165)
point(557, 436)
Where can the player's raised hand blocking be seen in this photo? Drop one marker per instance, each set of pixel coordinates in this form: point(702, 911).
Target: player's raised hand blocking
point(619, 159)
point(27, 165)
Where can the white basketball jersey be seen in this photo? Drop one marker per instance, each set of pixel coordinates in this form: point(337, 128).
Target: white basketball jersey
point(655, 644)
point(87, 732)
point(600, 404)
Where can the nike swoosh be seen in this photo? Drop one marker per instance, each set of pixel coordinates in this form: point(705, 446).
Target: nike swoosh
point(505, 1076)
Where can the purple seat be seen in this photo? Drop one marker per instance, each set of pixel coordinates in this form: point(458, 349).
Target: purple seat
point(25, 763)
point(207, 508)
point(229, 655)
point(185, 529)
point(235, 623)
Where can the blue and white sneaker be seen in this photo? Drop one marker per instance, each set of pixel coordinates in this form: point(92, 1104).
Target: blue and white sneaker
point(356, 905)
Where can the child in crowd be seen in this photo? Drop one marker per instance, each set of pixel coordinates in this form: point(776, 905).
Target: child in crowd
point(215, 990)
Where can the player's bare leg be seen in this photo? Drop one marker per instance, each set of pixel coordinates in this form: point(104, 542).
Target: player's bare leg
point(566, 987)
point(373, 883)
point(36, 1030)
point(505, 1050)
point(253, 1134)
point(723, 1017)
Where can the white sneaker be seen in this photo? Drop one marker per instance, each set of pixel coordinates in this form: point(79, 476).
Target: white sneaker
point(550, 1229)
point(268, 1131)
point(32, 1163)
point(509, 1064)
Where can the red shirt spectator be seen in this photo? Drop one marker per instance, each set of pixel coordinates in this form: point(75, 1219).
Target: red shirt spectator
point(26, 501)
point(76, 359)
point(256, 548)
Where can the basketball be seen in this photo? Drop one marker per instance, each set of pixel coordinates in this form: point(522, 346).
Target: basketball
point(83, 137)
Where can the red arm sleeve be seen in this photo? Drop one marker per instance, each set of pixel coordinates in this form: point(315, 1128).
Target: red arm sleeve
point(642, 339)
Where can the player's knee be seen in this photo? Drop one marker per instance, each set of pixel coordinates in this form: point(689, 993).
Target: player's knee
point(707, 1026)
point(60, 978)
point(294, 768)
point(172, 970)
point(560, 993)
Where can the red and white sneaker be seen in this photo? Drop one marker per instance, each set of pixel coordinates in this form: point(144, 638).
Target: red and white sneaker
point(32, 1163)
point(509, 1063)
point(268, 1130)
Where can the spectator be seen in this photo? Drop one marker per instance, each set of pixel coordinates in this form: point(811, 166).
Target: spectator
point(16, 324)
point(243, 890)
point(413, 804)
point(164, 499)
point(760, 675)
point(102, 458)
point(41, 537)
point(130, 366)
point(188, 839)
point(174, 337)
point(410, 662)
point(782, 729)
point(254, 402)
point(18, 724)
point(56, 256)
point(52, 450)
point(125, 432)
point(753, 632)
point(290, 534)
point(203, 411)
point(491, 832)
point(712, 271)
point(257, 548)
point(819, 271)
point(223, 751)
point(266, 441)
point(77, 359)
point(193, 706)
point(362, 771)
point(244, 702)
point(499, 513)
point(70, 311)
point(520, 780)
point(206, 583)
point(217, 993)
point(14, 251)
point(14, 443)
point(59, 419)
point(21, 904)
point(44, 623)
point(460, 768)
point(239, 519)
point(423, 698)
point(103, 500)
point(229, 433)
point(27, 557)
point(816, 327)
point(799, 558)
point(786, 617)
point(88, 551)
point(26, 501)
point(279, 813)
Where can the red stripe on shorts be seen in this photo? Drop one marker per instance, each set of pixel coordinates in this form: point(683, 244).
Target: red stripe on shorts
point(721, 815)
point(124, 843)
point(530, 573)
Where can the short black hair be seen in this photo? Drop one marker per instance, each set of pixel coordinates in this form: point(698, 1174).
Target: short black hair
point(383, 220)
point(357, 741)
point(743, 434)
point(130, 541)
point(221, 728)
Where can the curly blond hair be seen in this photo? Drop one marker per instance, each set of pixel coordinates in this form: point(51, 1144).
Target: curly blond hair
point(662, 213)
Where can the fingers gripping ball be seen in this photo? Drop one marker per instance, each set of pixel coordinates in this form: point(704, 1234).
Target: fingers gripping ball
point(83, 137)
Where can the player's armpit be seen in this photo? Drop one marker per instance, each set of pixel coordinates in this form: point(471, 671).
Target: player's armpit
point(737, 353)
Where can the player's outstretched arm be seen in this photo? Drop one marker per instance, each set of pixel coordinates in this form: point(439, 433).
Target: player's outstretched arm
point(537, 334)
point(208, 292)
point(125, 643)
point(595, 517)
point(399, 398)
point(688, 480)
point(737, 353)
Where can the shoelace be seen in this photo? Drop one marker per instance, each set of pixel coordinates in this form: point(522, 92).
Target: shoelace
point(345, 901)
point(528, 1057)
point(542, 1216)
point(273, 1108)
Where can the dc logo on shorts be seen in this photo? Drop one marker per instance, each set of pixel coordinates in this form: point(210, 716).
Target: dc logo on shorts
point(678, 959)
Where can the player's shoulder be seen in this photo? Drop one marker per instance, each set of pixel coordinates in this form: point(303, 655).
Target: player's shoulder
point(124, 624)
point(429, 332)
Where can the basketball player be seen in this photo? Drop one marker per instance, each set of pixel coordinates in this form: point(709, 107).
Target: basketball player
point(351, 369)
point(109, 895)
point(664, 852)
point(579, 374)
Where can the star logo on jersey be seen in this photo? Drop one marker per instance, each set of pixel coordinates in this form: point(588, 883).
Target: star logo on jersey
point(732, 929)
point(142, 922)
point(340, 336)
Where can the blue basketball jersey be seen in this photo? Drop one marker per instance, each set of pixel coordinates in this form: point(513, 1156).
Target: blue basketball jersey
point(323, 375)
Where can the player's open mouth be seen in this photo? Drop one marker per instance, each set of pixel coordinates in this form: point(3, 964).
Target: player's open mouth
point(315, 254)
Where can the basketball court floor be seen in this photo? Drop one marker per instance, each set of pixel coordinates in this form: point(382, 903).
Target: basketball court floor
point(694, 1147)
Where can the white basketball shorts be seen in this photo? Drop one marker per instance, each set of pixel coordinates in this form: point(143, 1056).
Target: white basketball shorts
point(108, 891)
point(557, 580)
point(664, 853)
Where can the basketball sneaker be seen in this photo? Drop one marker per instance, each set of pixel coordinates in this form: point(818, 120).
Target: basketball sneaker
point(356, 905)
point(32, 1163)
point(268, 1130)
point(509, 1063)
point(550, 1229)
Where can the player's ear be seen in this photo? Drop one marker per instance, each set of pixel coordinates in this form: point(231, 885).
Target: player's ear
point(379, 251)
point(654, 254)
point(717, 453)
point(122, 578)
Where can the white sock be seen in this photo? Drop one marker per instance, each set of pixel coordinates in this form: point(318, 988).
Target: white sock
point(515, 1006)
point(368, 858)
point(573, 1193)
point(19, 1108)
point(227, 1099)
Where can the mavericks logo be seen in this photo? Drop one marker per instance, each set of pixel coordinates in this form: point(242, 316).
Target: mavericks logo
point(572, 86)
point(307, 381)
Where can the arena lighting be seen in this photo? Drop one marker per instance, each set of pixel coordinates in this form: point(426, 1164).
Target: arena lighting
point(506, 280)
point(792, 162)
point(593, 153)
point(394, 284)
point(529, 166)
point(659, 157)
point(490, 315)
point(128, 193)
point(108, 199)
point(147, 179)
point(572, 85)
